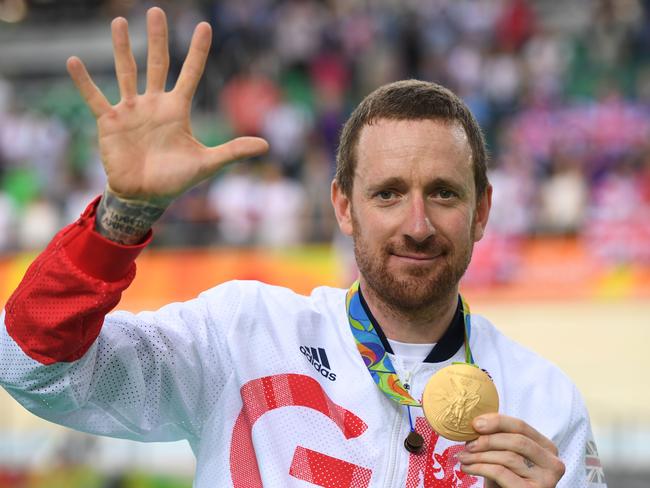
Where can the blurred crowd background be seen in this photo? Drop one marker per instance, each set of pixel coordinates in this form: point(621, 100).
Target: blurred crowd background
point(561, 89)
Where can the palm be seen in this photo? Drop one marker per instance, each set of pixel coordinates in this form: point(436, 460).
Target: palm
point(146, 141)
point(148, 149)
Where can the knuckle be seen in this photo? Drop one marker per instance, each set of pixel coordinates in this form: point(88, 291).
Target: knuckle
point(518, 424)
point(512, 458)
point(521, 443)
point(551, 476)
point(482, 442)
point(499, 470)
point(157, 62)
point(111, 114)
point(192, 71)
point(236, 150)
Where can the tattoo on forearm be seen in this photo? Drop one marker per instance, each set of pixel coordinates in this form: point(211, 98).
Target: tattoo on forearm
point(125, 221)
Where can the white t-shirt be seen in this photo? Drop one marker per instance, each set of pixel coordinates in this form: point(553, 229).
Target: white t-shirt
point(412, 355)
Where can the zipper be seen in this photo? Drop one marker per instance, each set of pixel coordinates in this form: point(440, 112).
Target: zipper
point(396, 444)
point(407, 381)
point(398, 435)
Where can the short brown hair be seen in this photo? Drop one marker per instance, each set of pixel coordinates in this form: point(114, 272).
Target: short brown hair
point(409, 100)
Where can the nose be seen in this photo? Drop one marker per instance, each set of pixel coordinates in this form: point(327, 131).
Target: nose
point(417, 224)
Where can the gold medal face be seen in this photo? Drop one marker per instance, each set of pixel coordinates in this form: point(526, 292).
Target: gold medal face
point(454, 396)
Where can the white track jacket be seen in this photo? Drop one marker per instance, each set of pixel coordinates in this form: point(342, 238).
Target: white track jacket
point(267, 386)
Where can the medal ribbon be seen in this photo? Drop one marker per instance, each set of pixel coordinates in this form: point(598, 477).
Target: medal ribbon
point(374, 353)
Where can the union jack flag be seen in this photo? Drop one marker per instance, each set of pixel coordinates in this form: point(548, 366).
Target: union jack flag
point(593, 467)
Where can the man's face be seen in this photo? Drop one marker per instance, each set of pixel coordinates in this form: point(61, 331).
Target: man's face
point(413, 213)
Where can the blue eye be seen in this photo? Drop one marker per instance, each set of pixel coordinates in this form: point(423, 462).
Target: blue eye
point(385, 195)
point(446, 194)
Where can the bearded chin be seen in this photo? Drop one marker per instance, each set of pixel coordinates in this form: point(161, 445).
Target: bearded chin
point(418, 287)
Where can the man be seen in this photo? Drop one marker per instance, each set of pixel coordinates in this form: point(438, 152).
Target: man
point(271, 388)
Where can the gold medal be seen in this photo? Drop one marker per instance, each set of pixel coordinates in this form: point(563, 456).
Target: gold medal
point(454, 396)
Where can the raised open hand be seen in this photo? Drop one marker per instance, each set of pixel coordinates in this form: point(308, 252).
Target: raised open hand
point(146, 142)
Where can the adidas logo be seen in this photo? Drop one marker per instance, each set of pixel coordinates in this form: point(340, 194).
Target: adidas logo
point(318, 359)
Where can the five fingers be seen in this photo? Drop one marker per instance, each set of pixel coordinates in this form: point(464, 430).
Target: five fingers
point(509, 451)
point(210, 159)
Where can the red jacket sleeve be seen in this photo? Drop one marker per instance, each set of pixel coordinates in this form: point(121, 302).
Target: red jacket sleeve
point(58, 309)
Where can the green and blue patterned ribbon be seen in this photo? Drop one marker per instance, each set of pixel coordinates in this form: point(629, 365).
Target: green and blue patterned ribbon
point(374, 353)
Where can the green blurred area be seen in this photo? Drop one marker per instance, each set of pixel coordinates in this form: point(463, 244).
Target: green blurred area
point(83, 477)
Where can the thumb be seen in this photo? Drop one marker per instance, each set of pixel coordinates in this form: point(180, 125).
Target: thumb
point(239, 148)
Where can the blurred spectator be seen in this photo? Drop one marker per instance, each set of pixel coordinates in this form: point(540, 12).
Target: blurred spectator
point(232, 199)
point(317, 172)
point(512, 201)
point(82, 191)
point(546, 56)
point(610, 28)
point(515, 25)
point(465, 67)
point(7, 224)
point(29, 141)
point(247, 99)
point(5, 96)
point(190, 221)
point(475, 19)
point(38, 222)
point(562, 197)
point(502, 75)
point(619, 227)
point(298, 31)
point(644, 179)
point(286, 127)
point(280, 211)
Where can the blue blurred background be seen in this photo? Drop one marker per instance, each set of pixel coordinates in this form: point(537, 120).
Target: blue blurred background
point(562, 90)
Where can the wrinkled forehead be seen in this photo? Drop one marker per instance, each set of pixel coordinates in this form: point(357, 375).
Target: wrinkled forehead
point(422, 146)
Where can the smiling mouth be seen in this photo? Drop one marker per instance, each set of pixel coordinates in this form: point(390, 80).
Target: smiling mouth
point(417, 257)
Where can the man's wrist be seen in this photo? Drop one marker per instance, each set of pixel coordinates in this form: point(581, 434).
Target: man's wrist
point(125, 221)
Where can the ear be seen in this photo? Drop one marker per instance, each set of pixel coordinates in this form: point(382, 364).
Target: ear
point(482, 213)
point(342, 209)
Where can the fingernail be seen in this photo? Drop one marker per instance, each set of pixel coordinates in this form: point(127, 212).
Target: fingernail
point(480, 423)
point(471, 445)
